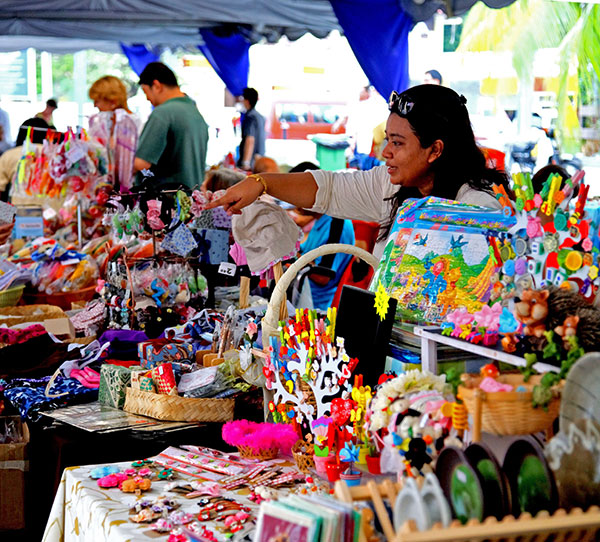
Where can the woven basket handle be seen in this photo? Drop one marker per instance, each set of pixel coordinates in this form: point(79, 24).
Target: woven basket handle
point(270, 321)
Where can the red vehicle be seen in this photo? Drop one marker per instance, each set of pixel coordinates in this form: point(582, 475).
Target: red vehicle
point(295, 119)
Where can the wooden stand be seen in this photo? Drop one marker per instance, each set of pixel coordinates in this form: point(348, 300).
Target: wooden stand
point(573, 526)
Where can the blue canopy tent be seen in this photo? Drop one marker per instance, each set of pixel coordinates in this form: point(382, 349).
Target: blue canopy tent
point(377, 30)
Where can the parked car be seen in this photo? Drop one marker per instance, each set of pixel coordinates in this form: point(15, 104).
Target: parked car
point(295, 119)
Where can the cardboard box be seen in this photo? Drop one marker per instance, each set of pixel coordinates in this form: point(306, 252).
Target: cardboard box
point(61, 328)
point(13, 465)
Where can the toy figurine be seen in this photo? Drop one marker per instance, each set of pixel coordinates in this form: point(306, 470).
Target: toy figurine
point(567, 329)
point(532, 311)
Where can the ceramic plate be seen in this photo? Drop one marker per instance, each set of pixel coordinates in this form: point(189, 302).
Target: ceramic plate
point(531, 483)
point(462, 485)
point(495, 490)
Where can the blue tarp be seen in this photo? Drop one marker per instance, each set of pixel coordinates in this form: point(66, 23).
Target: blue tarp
point(139, 56)
point(228, 55)
point(377, 31)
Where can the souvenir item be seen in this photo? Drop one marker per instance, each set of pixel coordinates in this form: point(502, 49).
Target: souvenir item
point(573, 454)
point(462, 485)
point(114, 380)
point(157, 351)
point(306, 369)
point(531, 482)
point(438, 257)
point(179, 241)
point(164, 379)
point(495, 490)
point(260, 440)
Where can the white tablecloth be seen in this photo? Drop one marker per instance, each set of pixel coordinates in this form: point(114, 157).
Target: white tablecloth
point(84, 512)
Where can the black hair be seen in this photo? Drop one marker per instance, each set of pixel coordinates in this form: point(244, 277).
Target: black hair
point(52, 103)
point(303, 166)
point(251, 95)
point(157, 71)
point(440, 113)
point(38, 135)
point(435, 75)
point(541, 176)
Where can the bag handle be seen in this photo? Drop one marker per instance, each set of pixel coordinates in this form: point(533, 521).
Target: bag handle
point(270, 322)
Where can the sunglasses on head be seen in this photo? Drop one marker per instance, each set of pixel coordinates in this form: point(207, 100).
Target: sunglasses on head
point(400, 103)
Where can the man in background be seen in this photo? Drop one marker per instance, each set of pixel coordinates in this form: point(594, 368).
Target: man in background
point(174, 140)
point(46, 114)
point(253, 131)
point(432, 77)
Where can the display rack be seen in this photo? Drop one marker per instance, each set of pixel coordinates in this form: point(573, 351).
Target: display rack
point(573, 526)
point(431, 337)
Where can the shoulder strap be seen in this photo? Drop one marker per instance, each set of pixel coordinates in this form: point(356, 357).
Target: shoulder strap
point(335, 234)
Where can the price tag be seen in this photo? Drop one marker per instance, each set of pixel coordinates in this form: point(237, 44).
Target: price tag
point(226, 268)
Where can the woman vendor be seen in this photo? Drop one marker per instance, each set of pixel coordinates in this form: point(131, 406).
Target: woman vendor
point(430, 151)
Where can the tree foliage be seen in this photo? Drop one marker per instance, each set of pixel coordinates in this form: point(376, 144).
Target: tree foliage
point(528, 25)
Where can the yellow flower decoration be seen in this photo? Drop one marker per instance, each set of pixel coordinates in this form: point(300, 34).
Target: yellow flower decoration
point(382, 301)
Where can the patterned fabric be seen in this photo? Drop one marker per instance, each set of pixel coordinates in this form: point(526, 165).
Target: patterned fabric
point(28, 395)
point(163, 378)
point(114, 380)
point(180, 241)
point(157, 351)
point(219, 246)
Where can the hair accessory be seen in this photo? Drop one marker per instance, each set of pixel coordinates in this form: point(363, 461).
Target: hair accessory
point(153, 214)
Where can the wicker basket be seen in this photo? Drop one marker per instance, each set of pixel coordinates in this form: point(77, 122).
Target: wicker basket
point(10, 297)
point(248, 452)
point(11, 316)
point(304, 456)
point(63, 300)
point(178, 409)
point(509, 412)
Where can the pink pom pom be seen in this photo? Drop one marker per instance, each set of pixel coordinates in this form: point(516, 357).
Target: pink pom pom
point(260, 436)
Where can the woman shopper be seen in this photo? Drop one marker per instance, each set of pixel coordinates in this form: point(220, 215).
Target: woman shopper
point(430, 151)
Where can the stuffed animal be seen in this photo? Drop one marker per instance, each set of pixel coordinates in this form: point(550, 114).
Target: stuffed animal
point(532, 311)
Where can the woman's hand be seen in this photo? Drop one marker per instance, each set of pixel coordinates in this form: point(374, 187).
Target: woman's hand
point(239, 196)
point(6, 232)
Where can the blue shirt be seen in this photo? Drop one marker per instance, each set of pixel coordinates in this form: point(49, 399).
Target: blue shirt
point(323, 295)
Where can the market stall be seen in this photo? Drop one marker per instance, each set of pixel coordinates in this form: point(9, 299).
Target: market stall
point(512, 287)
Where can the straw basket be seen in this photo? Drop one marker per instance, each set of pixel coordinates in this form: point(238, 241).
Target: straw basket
point(247, 452)
point(508, 412)
point(62, 299)
point(11, 316)
point(10, 297)
point(303, 455)
point(178, 409)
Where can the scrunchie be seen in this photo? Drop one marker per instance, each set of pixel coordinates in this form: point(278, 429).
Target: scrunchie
point(153, 214)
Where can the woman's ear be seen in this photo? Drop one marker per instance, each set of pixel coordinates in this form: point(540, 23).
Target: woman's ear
point(437, 147)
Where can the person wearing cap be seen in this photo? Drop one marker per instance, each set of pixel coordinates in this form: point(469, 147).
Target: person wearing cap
point(46, 114)
point(430, 151)
point(174, 140)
